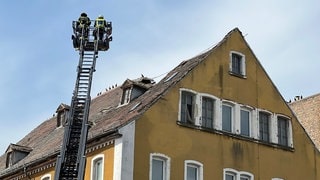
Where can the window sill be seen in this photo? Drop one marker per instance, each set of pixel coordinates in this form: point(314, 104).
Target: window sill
point(238, 75)
point(237, 136)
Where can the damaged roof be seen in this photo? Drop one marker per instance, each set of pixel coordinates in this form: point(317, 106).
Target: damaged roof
point(106, 113)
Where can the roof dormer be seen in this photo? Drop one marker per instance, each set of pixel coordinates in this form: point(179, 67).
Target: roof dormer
point(135, 88)
point(62, 114)
point(15, 153)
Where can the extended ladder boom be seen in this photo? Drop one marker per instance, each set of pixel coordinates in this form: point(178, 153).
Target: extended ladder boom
point(71, 161)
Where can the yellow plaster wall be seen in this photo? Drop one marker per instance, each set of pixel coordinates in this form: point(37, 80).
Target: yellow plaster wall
point(157, 131)
point(108, 153)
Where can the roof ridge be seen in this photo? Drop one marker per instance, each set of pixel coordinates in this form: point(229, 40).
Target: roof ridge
point(305, 98)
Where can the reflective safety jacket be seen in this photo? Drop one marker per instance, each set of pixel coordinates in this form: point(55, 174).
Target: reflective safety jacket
point(100, 23)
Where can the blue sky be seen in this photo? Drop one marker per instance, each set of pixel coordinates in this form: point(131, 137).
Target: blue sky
point(150, 37)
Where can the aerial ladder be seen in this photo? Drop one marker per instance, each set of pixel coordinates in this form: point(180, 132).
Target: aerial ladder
point(71, 162)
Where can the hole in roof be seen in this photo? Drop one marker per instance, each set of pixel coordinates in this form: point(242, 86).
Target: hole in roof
point(183, 63)
point(170, 77)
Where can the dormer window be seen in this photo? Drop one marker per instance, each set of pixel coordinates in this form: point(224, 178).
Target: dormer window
point(62, 113)
point(15, 153)
point(132, 89)
point(237, 64)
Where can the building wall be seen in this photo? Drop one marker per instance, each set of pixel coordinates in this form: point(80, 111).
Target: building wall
point(158, 131)
point(108, 155)
point(124, 151)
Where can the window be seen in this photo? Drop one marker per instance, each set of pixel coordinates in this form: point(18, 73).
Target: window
point(244, 122)
point(97, 167)
point(46, 177)
point(62, 114)
point(283, 125)
point(264, 126)
point(159, 167)
point(237, 64)
point(244, 177)
point(187, 107)
point(16, 153)
point(231, 174)
point(207, 112)
point(193, 170)
point(158, 170)
point(227, 118)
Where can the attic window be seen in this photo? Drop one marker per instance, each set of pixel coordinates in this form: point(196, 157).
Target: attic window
point(15, 153)
point(62, 113)
point(237, 64)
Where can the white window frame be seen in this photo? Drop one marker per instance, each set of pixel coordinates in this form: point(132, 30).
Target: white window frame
point(195, 164)
point(237, 174)
point(92, 165)
point(290, 138)
point(231, 172)
point(243, 64)
point(233, 115)
point(277, 179)
point(166, 159)
point(271, 125)
point(46, 176)
point(251, 119)
point(254, 115)
point(196, 114)
point(215, 109)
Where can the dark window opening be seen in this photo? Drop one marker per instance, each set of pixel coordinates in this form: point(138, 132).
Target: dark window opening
point(264, 126)
point(207, 112)
point(187, 106)
point(236, 64)
point(283, 131)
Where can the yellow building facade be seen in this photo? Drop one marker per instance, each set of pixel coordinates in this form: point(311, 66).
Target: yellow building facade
point(217, 151)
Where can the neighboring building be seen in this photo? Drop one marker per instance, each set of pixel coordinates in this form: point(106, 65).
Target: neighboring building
point(307, 111)
point(215, 116)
